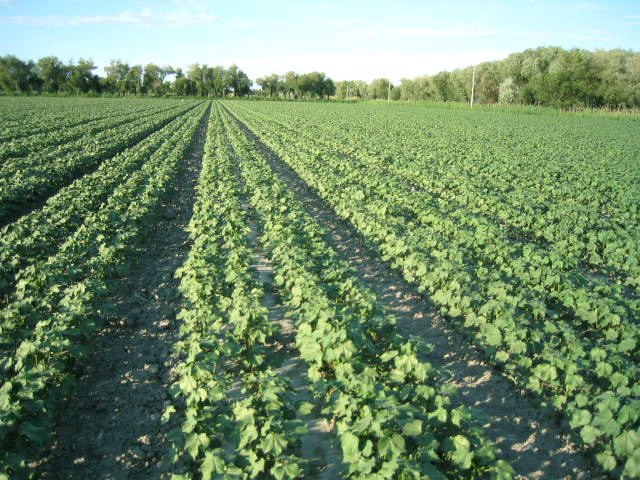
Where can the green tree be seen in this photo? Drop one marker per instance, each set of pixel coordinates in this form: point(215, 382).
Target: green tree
point(346, 89)
point(487, 82)
point(442, 87)
point(153, 78)
point(16, 76)
point(379, 88)
point(219, 81)
point(81, 80)
point(52, 72)
point(507, 91)
point(182, 85)
point(238, 81)
point(195, 73)
point(270, 84)
point(291, 84)
point(118, 74)
point(134, 79)
point(328, 87)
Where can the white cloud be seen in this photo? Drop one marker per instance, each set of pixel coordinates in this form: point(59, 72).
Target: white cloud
point(589, 6)
point(430, 32)
point(145, 18)
point(364, 67)
point(189, 4)
point(633, 20)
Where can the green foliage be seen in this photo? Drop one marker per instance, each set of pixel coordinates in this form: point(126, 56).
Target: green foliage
point(55, 300)
point(547, 76)
point(393, 416)
point(35, 166)
point(516, 240)
point(225, 336)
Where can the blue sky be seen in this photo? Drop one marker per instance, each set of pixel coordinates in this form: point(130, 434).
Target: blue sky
point(344, 39)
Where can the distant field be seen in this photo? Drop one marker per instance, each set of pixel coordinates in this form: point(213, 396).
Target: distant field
point(273, 246)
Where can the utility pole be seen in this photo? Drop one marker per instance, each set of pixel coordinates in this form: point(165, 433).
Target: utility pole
point(473, 84)
point(347, 83)
point(389, 91)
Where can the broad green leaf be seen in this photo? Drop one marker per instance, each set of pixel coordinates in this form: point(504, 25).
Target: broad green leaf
point(589, 434)
point(580, 418)
point(305, 408)
point(195, 442)
point(286, 470)
point(413, 428)
point(632, 467)
point(248, 434)
point(502, 471)
point(626, 443)
point(606, 461)
point(350, 450)
point(274, 443)
point(210, 465)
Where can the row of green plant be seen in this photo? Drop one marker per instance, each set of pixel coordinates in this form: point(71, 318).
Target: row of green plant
point(531, 271)
point(43, 143)
point(568, 338)
point(22, 116)
point(24, 180)
point(37, 235)
point(393, 417)
point(481, 241)
point(527, 176)
point(235, 414)
point(47, 327)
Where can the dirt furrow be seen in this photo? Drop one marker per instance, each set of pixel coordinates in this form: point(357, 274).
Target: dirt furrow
point(112, 426)
point(527, 436)
point(317, 445)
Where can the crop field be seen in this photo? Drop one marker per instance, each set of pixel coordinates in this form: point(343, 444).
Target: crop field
point(279, 290)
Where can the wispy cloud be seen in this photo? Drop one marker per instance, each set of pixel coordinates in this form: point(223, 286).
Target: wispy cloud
point(632, 20)
point(431, 32)
point(589, 6)
point(4, 2)
point(144, 19)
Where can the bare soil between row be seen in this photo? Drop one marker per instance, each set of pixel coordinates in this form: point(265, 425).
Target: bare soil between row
point(112, 426)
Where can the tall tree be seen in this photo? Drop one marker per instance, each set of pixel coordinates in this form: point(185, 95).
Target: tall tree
point(291, 85)
point(269, 84)
point(238, 81)
point(52, 72)
point(153, 78)
point(219, 81)
point(195, 74)
point(134, 79)
point(81, 80)
point(16, 76)
point(379, 88)
point(119, 76)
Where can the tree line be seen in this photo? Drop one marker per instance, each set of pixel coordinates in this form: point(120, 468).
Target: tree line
point(549, 76)
point(296, 86)
point(51, 75)
point(546, 76)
